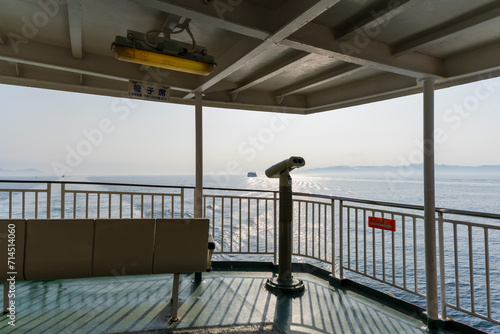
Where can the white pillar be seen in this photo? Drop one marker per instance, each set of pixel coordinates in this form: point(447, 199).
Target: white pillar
point(198, 191)
point(429, 207)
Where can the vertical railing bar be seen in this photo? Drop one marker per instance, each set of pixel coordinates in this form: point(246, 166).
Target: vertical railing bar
point(471, 270)
point(121, 205)
point(341, 240)
point(248, 224)
point(239, 223)
point(36, 204)
point(163, 206)
point(231, 222)
point(441, 264)
point(74, 205)
point(383, 250)
point(487, 270)
point(109, 206)
point(152, 206)
point(266, 225)
point(275, 200)
point(333, 236)
point(307, 227)
point(172, 206)
point(98, 205)
point(10, 204)
point(182, 202)
point(393, 255)
point(299, 231)
point(222, 225)
point(349, 238)
point(63, 199)
point(258, 227)
point(142, 205)
point(132, 205)
point(312, 229)
point(49, 199)
point(356, 237)
point(24, 204)
point(403, 231)
point(204, 206)
point(415, 252)
point(455, 251)
point(364, 241)
point(324, 232)
point(213, 216)
point(374, 254)
point(86, 204)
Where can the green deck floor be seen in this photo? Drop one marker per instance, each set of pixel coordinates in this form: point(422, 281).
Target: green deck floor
point(223, 302)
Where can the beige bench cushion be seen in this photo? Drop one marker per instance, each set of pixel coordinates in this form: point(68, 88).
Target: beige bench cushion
point(123, 247)
point(181, 246)
point(18, 255)
point(58, 248)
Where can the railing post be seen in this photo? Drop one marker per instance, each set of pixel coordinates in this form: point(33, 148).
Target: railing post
point(63, 199)
point(441, 265)
point(341, 239)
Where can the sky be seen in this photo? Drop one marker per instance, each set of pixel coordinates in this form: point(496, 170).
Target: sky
point(80, 134)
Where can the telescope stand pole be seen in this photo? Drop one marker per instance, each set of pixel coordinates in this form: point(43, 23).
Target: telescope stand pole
point(284, 281)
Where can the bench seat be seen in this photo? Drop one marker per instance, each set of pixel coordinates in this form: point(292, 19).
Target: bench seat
point(48, 249)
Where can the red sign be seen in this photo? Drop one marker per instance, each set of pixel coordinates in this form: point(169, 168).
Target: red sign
point(382, 223)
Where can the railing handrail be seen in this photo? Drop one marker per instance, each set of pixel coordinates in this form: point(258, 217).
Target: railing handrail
point(328, 197)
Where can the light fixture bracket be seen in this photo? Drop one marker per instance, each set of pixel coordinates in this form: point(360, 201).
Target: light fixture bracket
point(158, 51)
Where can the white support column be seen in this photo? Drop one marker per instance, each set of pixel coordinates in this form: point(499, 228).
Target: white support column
point(198, 191)
point(429, 207)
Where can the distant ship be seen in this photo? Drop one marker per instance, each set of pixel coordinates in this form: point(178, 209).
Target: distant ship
point(252, 174)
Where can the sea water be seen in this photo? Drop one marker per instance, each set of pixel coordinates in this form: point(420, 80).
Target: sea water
point(463, 192)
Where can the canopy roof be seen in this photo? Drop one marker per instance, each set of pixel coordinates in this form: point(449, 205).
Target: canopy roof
point(272, 55)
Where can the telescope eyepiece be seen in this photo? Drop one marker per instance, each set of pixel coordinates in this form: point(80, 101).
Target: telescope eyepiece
point(286, 165)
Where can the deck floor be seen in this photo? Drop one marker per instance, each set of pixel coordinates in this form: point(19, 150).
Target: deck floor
point(223, 302)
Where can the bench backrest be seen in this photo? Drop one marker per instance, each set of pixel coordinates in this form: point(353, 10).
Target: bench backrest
point(76, 248)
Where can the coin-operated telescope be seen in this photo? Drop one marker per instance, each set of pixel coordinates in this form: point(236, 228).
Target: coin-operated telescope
point(284, 281)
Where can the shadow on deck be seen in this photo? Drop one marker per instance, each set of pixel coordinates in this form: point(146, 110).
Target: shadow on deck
point(224, 302)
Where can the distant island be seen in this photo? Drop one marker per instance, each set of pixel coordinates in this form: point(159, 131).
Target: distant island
point(414, 169)
point(21, 172)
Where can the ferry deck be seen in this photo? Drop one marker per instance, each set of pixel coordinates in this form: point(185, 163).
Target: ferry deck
point(280, 56)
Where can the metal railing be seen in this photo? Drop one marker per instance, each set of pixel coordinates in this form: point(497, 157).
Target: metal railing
point(330, 232)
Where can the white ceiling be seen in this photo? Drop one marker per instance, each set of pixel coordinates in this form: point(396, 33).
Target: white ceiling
point(272, 55)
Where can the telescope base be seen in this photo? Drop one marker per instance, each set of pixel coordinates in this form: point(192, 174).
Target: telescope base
point(295, 286)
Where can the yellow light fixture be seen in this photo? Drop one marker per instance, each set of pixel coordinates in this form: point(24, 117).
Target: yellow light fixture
point(165, 54)
point(168, 62)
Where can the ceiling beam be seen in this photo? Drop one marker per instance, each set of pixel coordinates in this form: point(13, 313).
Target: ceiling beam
point(318, 39)
point(75, 27)
point(474, 64)
point(288, 29)
point(211, 20)
point(376, 88)
point(450, 29)
point(376, 18)
point(270, 73)
point(322, 79)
